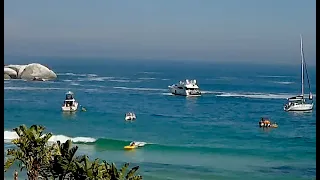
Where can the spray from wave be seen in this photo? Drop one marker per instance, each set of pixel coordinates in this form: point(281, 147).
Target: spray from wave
point(10, 135)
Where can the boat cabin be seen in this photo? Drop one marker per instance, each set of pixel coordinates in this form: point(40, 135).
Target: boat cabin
point(69, 101)
point(69, 95)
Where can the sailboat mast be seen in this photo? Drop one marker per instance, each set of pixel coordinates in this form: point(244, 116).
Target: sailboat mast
point(302, 64)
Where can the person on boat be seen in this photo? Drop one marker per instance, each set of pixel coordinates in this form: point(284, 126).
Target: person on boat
point(132, 143)
point(261, 122)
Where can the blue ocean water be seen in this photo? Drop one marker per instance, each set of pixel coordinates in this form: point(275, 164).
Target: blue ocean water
point(215, 136)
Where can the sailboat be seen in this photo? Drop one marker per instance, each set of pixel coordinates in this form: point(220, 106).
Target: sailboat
point(299, 103)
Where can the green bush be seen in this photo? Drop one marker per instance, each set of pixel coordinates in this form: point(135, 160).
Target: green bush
point(59, 160)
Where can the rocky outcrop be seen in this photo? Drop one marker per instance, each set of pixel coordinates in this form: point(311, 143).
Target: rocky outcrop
point(6, 77)
point(10, 72)
point(28, 72)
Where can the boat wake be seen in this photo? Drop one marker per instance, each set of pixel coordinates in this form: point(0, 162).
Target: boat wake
point(257, 95)
point(139, 89)
point(282, 82)
point(32, 88)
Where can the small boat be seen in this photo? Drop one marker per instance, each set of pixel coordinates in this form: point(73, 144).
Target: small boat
point(130, 116)
point(265, 122)
point(299, 103)
point(185, 88)
point(69, 104)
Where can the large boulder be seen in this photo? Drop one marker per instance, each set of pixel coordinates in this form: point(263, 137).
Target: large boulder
point(6, 77)
point(28, 72)
point(10, 72)
point(18, 68)
point(36, 70)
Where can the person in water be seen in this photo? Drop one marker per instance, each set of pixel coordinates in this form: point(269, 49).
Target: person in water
point(15, 175)
point(132, 143)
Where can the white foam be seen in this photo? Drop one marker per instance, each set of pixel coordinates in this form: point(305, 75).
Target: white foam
point(283, 82)
point(123, 80)
point(74, 84)
point(10, 135)
point(272, 76)
point(257, 95)
point(92, 75)
point(14, 99)
point(95, 78)
point(71, 74)
point(146, 78)
point(67, 80)
point(149, 72)
point(211, 92)
point(140, 89)
point(30, 88)
point(167, 94)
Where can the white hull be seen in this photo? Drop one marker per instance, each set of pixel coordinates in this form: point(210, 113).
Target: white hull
point(182, 92)
point(70, 108)
point(299, 107)
point(130, 118)
point(298, 103)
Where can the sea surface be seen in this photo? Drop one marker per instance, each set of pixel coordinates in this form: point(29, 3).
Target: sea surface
point(215, 136)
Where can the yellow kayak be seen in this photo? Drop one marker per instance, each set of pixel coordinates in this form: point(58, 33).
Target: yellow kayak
point(130, 147)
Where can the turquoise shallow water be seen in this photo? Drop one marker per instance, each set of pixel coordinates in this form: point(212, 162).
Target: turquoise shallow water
point(210, 137)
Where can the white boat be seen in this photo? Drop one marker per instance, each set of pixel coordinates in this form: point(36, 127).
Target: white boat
point(185, 88)
point(299, 103)
point(69, 104)
point(130, 116)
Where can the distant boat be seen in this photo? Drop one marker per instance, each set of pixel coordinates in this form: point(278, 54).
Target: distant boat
point(130, 116)
point(185, 88)
point(69, 104)
point(299, 103)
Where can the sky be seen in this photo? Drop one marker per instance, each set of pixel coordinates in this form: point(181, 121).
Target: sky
point(186, 30)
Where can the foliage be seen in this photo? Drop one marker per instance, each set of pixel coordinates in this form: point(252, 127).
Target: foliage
point(59, 160)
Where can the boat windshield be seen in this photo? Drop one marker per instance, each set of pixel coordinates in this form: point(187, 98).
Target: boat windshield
point(192, 89)
point(69, 96)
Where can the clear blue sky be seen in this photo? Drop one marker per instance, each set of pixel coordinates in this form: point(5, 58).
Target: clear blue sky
point(212, 30)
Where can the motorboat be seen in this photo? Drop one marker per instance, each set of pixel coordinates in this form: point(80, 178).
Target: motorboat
point(185, 88)
point(130, 116)
point(69, 104)
point(299, 103)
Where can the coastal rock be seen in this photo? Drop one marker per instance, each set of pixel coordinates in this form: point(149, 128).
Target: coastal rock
point(28, 72)
point(10, 72)
point(37, 70)
point(6, 77)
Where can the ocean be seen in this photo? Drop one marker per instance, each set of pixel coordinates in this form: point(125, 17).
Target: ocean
point(215, 136)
